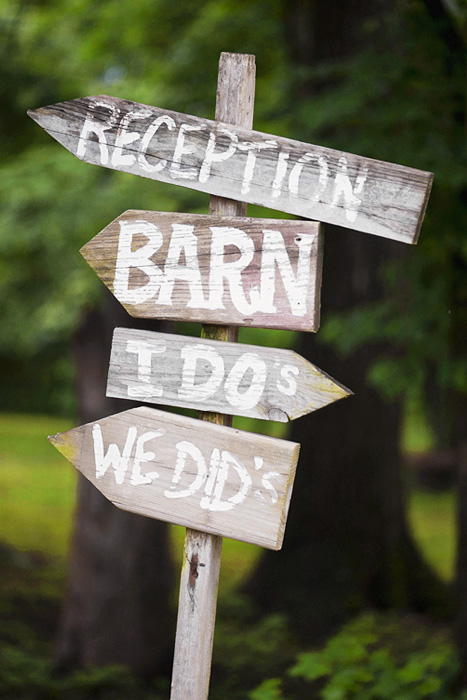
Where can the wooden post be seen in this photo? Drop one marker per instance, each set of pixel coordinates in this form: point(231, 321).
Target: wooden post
point(202, 552)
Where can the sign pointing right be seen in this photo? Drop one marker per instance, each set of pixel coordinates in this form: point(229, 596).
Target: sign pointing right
point(232, 378)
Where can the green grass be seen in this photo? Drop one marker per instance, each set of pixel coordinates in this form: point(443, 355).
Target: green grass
point(417, 435)
point(431, 515)
point(432, 519)
point(37, 488)
point(37, 485)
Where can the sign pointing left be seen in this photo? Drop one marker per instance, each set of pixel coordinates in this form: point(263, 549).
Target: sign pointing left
point(214, 269)
point(188, 472)
point(317, 183)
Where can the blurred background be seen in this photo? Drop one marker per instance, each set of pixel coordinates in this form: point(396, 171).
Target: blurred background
point(368, 598)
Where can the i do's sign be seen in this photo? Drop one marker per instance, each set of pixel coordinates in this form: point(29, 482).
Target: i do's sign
point(232, 378)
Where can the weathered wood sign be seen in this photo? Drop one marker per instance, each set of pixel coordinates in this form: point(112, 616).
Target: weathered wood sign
point(237, 271)
point(243, 380)
point(311, 181)
point(209, 477)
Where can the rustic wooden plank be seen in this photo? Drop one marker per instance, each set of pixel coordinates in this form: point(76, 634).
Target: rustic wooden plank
point(196, 616)
point(198, 594)
point(209, 477)
point(243, 380)
point(215, 269)
point(226, 160)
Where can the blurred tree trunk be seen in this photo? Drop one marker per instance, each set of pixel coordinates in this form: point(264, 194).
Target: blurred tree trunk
point(117, 609)
point(347, 543)
point(453, 432)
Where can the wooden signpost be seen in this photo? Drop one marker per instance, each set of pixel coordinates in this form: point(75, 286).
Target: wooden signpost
point(226, 160)
point(244, 380)
point(244, 272)
point(209, 477)
point(222, 268)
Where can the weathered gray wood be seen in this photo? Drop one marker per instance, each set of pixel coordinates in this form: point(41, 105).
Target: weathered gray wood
point(243, 380)
point(225, 160)
point(198, 596)
point(215, 269)
point(235, 102)
point(209, 477)
point(196, 616)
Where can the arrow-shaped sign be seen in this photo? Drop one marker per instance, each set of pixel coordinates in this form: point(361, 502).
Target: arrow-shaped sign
point(245, 380)
point(235, 271)
point(188, 472)
point(311, 181)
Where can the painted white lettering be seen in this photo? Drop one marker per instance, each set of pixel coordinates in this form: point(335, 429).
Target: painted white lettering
point(124, 138)
point(183, 149)
point(248, 398)
point(137, 477)
point(146, 140)
point(186, 449)
point(281, 171)
point(295, 173)
point(258, 462)
point(343, 189)
point(211, 156)
point(183, 240)
point(97, 128)
point(266, 483)
point(288, 374)
point(113, 458)
point(145, 389)
point(252, 149)
point(191, 388)
point(231, 271)
point(296, 285)
point(140, 258)
point(212, 500)
point(214, 464)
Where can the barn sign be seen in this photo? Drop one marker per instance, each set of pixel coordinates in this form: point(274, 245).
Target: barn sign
point(213, 478)
point(232, 378)
point(210, 156)
point(237, 271)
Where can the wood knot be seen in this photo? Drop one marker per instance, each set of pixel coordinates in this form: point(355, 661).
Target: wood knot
point(193, 571)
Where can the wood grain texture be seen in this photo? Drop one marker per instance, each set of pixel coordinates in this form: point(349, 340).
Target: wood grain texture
point(204, 476)
point(238, 379)
point(196, 616)
point(235, 101)
point(197, 605)
point(215, 269)
point(226, 160)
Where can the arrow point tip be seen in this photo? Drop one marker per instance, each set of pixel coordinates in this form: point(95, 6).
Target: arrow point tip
point(67, 443)
point(345, 393)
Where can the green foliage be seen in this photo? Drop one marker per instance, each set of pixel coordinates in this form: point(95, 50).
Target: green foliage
point(402, 99)
point(151, 51)
point(25, 676)
point(247, 651)
point(268, 690)
point(374, 657)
